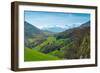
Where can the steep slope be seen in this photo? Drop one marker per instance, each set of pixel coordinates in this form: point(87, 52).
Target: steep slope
point(79, 46)
point(30, 30)
point(32, 34)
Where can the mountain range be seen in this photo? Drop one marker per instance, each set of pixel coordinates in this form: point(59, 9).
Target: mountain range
point(54, 29)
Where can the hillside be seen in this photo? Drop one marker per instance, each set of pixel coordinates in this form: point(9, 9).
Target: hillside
point(31, 32)
point(33, 55)
point(87, 24)
point(79, 45)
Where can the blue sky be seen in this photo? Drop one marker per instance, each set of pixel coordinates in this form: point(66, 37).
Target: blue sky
point(55, 19)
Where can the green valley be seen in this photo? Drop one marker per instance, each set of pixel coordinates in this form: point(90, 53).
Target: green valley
point(41, 45)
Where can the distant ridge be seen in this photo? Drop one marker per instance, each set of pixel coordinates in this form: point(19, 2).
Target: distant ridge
point(74, 32)
point(87, 24)
point(55, 29)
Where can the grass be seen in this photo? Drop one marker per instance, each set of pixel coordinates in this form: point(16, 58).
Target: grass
point(57, 53)
point(33, 55)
